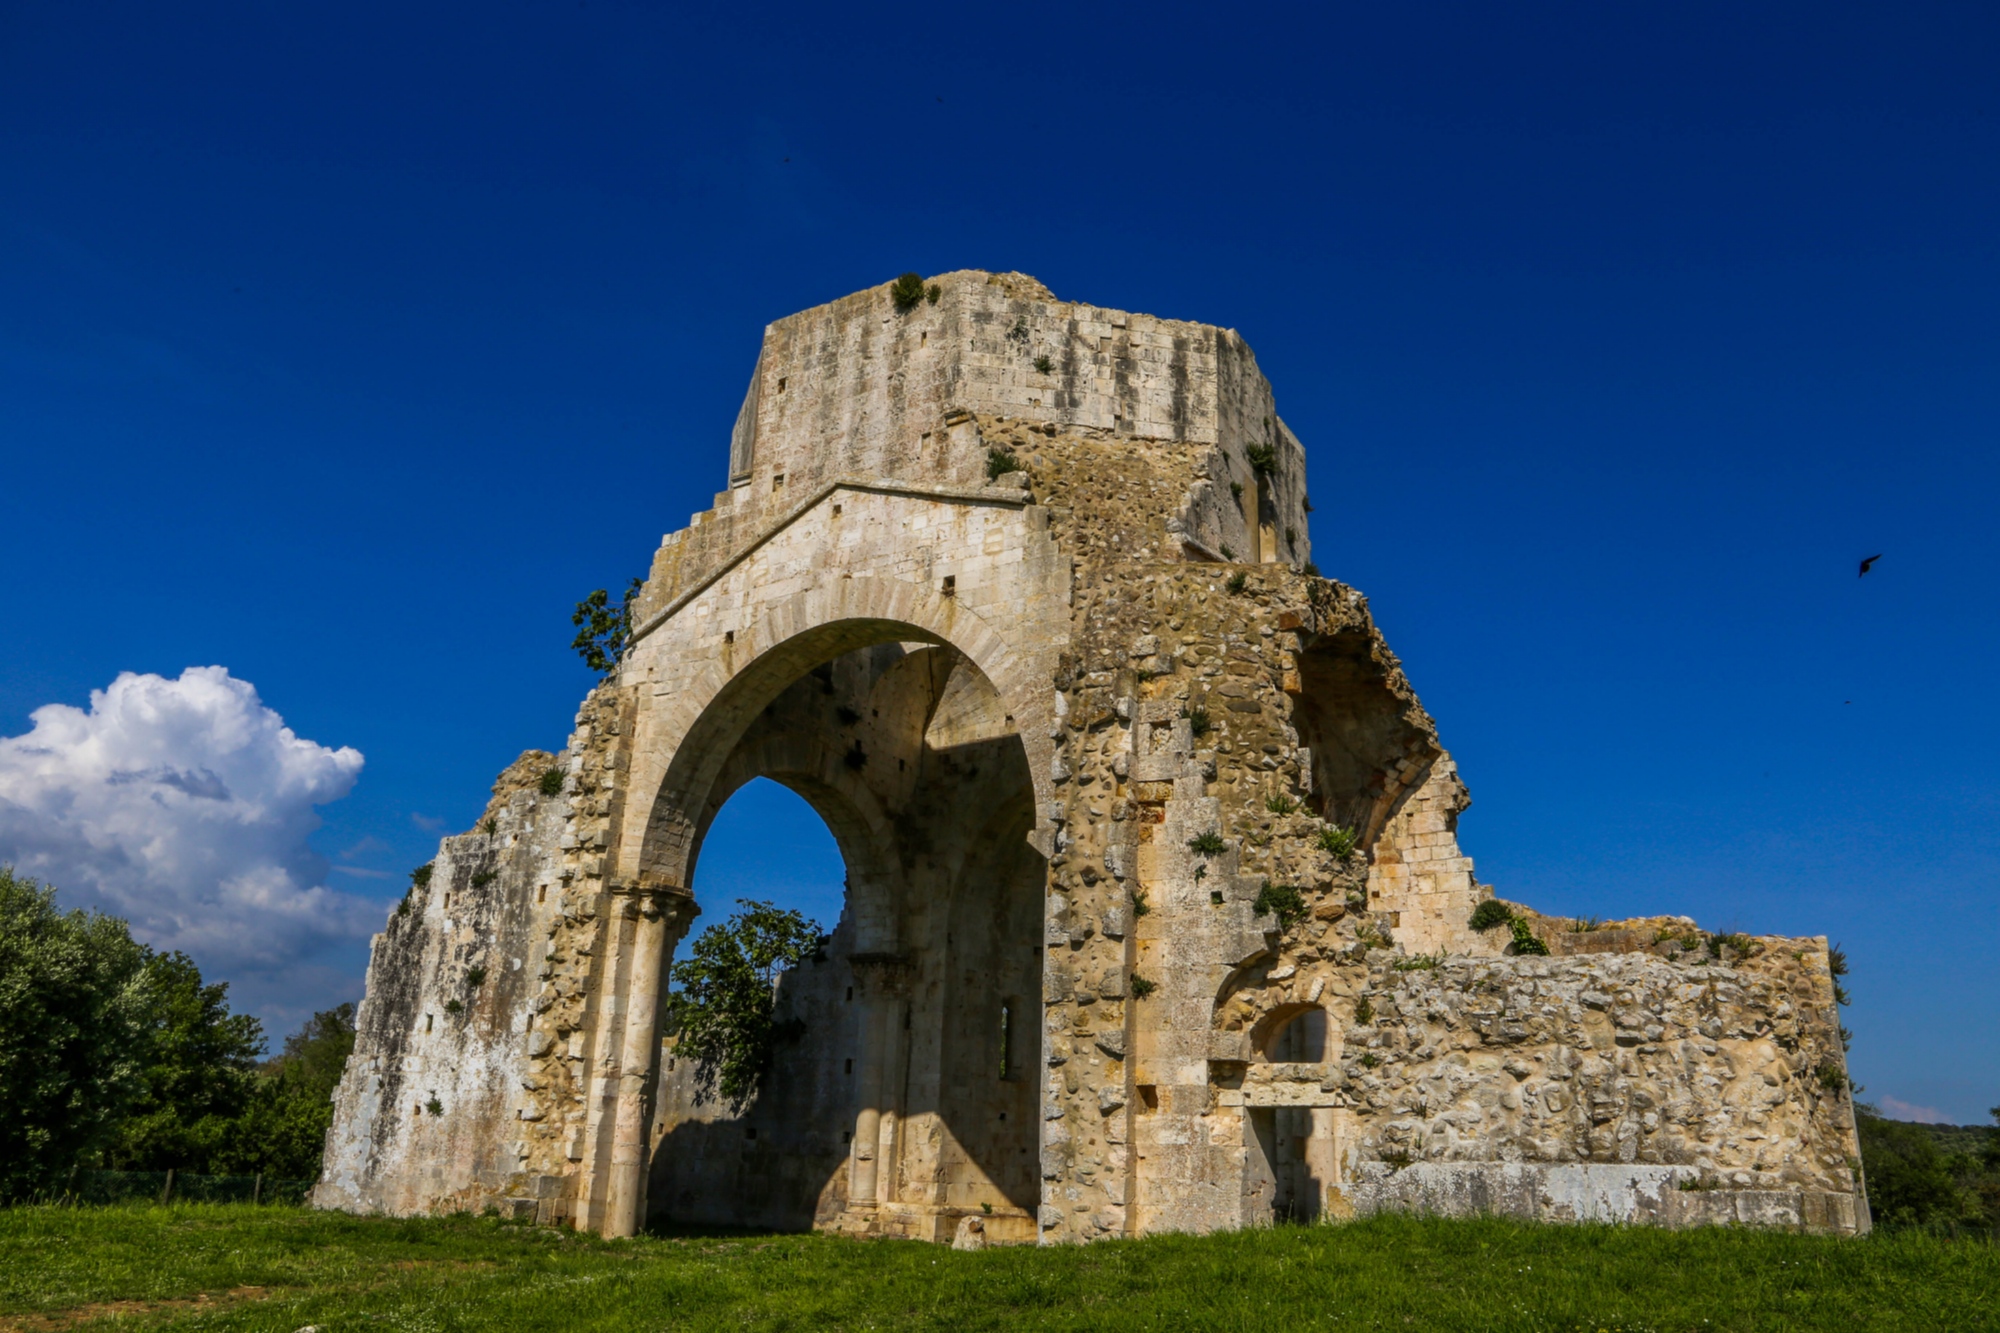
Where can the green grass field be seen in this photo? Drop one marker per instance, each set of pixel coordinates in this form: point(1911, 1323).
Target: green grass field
point(231, 1266)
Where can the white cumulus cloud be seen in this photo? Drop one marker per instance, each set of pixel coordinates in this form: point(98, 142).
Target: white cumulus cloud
point(183, 806)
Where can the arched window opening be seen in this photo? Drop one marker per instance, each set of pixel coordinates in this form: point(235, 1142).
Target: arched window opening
point(767, 844)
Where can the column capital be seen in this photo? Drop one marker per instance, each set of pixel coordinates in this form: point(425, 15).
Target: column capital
point(652, 896)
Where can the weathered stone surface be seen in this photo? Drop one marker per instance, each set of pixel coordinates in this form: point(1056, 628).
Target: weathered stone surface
point(1083, 732)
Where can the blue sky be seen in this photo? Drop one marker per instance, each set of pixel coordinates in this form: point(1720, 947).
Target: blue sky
point(346, 346)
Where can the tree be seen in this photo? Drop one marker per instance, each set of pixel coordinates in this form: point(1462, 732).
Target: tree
point(199, 1070)
point(74, 997)
point(283, 1131)
point(602, 633)
point(1909, 1181)
point(726, 1002)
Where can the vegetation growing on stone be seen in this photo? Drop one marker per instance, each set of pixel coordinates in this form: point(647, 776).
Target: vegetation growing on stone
point(1525, 939)
point(1198, 722)
point(906, 291)
point(724, 1001)
point(1263, 458)
point(999, 463)
point(603, 632)
point(1280, 804)
point(1141, 987)
point(1206, 844)
point(1238, 582)
point(1283, 901)
point(1044, 366)
point(1490, 913)
point(1338, 841)
point(552, 782)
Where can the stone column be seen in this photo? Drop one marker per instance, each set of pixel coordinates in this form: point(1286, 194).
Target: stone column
point(663, 914)
point(871, 1170)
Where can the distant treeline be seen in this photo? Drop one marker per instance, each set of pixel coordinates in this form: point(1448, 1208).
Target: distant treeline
point(1939, 1176)
point(114, 1056)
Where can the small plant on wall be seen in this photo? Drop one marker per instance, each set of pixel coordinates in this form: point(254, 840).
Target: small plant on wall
point(1337, 840)
point(1282, 901)
point(1525, 939)
point(906, 292)
point(1489, 914)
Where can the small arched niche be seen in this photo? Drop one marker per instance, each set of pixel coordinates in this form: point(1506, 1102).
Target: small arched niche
point(1295, 1034)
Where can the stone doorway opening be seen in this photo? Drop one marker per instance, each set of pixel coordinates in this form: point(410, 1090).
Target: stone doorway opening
point(907, 1098)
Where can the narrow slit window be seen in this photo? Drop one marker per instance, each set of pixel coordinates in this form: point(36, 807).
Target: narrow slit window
point(950, 585)
point(1006, 1039)
point(777, 481)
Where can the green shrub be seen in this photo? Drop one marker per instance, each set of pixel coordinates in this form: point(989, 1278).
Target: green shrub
point(1141, 987)
point(1310, 570)
point(453, 1006)
point(1263, 458)
point(1227, 554)
point(1139, 904)
point(906, 292)
point(1337, 840)
point(489, 826)
point(1044, 366)
point(552, 782)
point(1419, 962)
point(475, 977)
point(482, 878)
point(999, 463)
point(933, 292)
point(1283, 901)
point(1198, 722)
point(1236, 490)
point(1238, 582)
point(1489, 914)
point(1280, 805)
point(1364, 1012)
point(1525, 940)
point(1206, 844)
point(1583, 925)
point(434, 1106)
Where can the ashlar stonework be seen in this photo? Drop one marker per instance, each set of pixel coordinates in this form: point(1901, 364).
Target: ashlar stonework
point(1017, 593)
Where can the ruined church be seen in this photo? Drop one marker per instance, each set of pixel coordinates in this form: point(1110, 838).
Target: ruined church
point(1156, 918)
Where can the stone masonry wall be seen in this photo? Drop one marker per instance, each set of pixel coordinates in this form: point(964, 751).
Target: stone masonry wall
point(1261, 992)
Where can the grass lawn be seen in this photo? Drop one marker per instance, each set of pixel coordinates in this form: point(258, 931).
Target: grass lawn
point(232, 1266)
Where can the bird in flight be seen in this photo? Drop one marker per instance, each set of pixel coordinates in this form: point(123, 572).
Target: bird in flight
point(1866, 564)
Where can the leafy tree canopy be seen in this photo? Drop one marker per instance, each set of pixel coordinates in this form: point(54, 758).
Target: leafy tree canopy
point(726, 1000)
point(114, 1055)
point(602, 631)
point(74, 1005)
point(197, 1062)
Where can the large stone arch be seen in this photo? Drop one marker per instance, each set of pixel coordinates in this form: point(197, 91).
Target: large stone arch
point(899, 731)
point(689, 734)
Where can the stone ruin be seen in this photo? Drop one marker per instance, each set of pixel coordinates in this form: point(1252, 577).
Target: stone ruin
point(1156, 918)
